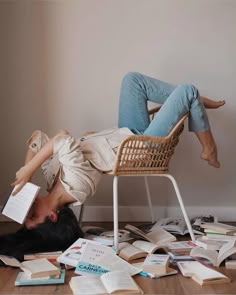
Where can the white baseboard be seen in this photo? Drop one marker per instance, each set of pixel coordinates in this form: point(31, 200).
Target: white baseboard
point(141, 213)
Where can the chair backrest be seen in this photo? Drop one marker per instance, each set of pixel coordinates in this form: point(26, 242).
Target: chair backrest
point(145, 154)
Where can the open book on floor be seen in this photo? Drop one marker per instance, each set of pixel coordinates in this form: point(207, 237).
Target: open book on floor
point(23, 279)
point(177, 225)
point(97, 259)
point(138, 249)
point(71, 255)
point(215, 257)
point(201, 274)
point(115, 282)
point(17, 207)
point(157, 236)
point(103, 236)
point(37, 268)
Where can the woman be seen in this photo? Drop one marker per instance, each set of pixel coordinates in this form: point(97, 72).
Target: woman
point(73, 168)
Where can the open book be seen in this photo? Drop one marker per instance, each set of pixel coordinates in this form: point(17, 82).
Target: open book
point(201, 274)
point(103, 236)
point(137, 249)
point(115, 282)
point(38, 268)
point(177, 225)
point(157, 236)
point(216, 258)
point(98, 259)
point(17, 207)
point(71, 256)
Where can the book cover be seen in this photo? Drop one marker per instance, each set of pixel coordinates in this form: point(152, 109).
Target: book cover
point(17, 207)
point(23, 280)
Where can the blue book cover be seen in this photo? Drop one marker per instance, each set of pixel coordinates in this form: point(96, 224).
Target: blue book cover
point(23, 280)
point(84, 268)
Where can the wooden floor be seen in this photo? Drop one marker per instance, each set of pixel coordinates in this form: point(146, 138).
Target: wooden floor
point(176, 284)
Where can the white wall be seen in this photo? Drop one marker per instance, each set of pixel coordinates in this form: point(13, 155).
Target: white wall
point(64, 61)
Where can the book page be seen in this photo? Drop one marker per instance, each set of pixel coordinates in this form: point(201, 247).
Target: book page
point(10, 261)
point(145, 246)
point(17, 207)
point(205, 273)
point(73, 254)
point(118, 281)
point(129, 251)
point(226, 250)
point(87, 285)
point(114, 262)
point(172, 224)
point(211, 255)
point(160, 236)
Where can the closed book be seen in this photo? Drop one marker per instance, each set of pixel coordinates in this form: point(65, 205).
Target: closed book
point(23, 279)
point(156, 263)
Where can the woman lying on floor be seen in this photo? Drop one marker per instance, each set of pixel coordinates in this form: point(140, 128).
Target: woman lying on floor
point(73, 167)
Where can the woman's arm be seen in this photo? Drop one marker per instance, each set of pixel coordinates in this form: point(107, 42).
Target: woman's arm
point(27, 171)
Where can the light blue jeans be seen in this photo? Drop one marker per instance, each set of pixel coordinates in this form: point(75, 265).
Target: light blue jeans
point(138, 89)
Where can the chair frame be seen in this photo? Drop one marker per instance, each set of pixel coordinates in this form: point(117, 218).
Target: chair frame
point(147, 156)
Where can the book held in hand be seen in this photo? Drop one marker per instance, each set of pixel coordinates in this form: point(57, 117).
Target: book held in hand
point(17, 207)
point(115, 282)
point(37, 268)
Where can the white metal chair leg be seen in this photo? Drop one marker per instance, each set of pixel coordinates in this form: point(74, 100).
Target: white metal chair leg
point(149, 198)
point(115, 213)
point(181, 205)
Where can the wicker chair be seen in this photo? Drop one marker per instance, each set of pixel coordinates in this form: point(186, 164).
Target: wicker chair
point(147, 156)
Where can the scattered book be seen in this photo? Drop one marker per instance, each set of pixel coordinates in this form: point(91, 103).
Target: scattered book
point(230, 264)
point(169, 271)
point(215, 257)
point(210, 244)
point(115, 282)
point(221, 228)
point(202, 274)
point(103, 236)
point(51, 256)
point(138, 249)
point(157, 236)
point(23, 279)
point(72, 255)
point(102, 261)
point(34, 268)
point(175, 225)
point(17, 207)
point(156, 263)
point(87, 263)
point(180, 246)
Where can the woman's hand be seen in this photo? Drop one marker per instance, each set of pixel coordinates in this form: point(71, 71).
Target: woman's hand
point(22, 177)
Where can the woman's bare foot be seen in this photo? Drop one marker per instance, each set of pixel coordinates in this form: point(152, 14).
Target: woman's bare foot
point(209, 152)
point(212, 104)
point(211, 158)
